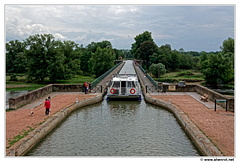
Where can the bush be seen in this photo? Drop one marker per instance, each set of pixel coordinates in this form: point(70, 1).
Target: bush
point(13, 77)
point(157, 69)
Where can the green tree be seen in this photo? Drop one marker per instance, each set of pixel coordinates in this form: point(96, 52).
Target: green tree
point(164, 56)
point(56, 66)
point(217, 69)
point(85, 57)
point(101, 61)
point(94, 45)
point(146, 50)
point(157, 69)
point(144, 47)
point(41, 56)
point(72, 57)
point(15, 57)
point(228, 46)
point(139, 39)
point(185, 61)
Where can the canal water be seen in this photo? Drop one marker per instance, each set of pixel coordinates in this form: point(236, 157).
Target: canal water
point(117, 128)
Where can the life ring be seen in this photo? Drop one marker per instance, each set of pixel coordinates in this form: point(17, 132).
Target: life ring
point(132, 91)
point(113, 91)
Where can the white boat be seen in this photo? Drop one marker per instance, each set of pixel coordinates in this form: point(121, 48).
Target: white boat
point(124, 86)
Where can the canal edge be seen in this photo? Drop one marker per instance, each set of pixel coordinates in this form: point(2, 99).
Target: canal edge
point(204, 144)
point(28, 142)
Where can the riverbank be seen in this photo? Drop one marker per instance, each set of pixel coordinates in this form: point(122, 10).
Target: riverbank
point(17, 131)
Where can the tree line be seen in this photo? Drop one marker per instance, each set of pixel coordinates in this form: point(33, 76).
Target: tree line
point(40, 56)
point(217, 67)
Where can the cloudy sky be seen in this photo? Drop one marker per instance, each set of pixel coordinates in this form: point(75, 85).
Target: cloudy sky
point(197, 28)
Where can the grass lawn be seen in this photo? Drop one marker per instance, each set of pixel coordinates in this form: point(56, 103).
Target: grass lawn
point(183, 75)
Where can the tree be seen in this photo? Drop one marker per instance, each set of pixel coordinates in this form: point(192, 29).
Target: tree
point(146, 50)
point(72, 57)
point(85, 57)
point(101, 61)
point(144, 47)
point(219, 67)
point(164, 56)
point(41, 55)
point(228, 46)
point(94, 45)
point(15, 57)
point(139, 39)
point(157, 69)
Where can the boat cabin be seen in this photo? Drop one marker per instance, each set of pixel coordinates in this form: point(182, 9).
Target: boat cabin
point(124, 86)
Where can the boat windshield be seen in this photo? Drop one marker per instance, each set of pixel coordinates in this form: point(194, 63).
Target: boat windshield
point(131, 84)
point(116, 84)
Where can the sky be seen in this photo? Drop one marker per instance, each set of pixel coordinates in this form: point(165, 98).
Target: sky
point(191, 27)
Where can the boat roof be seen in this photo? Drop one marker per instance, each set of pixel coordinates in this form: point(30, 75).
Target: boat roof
point(125, 78)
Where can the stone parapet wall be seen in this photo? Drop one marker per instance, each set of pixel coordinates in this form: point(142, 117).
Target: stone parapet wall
point(212, 95)
point(67, 88)
point(17, 102)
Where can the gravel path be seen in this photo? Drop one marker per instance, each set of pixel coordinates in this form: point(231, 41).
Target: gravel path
point(217, 126)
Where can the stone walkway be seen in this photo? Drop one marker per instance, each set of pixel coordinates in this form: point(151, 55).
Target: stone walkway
point(209, 104)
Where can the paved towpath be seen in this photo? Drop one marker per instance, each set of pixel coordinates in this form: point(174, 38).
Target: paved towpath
point(21, 120)
point(218, 125)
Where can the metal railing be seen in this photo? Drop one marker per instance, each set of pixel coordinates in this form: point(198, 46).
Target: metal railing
point(99, 79)
point(154, 89)
point(155, 84)
point(97, 89)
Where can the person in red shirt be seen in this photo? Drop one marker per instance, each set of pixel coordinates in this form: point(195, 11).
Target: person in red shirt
point(85, 85)
point(47, 106)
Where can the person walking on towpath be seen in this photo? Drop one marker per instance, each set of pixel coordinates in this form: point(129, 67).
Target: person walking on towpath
point(85, 85)
point(47, 106)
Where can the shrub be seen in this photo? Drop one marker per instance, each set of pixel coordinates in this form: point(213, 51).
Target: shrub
point(13, 77)
point(157, 69)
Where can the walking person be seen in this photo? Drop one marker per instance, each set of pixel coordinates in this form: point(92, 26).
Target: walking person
point(85, 87)
point(90, 86)
point(49, 98)
point(47, 106)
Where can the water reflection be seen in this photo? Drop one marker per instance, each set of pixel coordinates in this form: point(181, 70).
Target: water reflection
point(118, 128)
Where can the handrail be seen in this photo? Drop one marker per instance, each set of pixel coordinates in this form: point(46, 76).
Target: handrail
point(149, 77)
point(99, 79)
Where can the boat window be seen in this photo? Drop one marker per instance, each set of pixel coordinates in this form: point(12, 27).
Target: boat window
point(131, 84)
point(116, 84)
